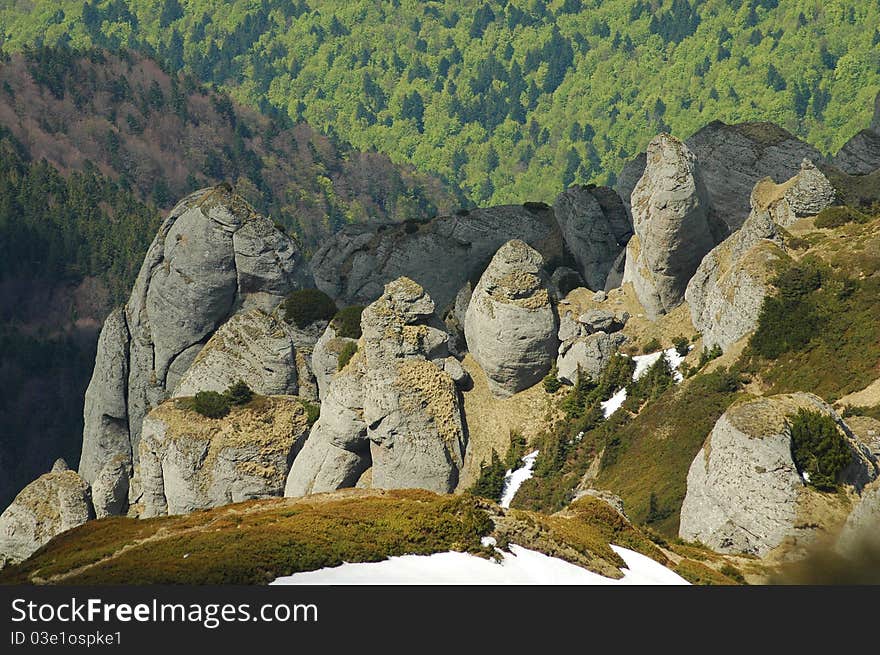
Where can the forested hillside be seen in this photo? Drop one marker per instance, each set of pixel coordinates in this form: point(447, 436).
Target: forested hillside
point(512, 100)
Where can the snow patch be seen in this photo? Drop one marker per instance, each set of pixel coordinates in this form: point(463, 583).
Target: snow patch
point(513, 479)
point(644, 362)
point(614, 403)
point(520, 566)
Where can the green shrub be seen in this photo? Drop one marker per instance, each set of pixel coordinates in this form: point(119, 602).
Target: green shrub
point(515, 451)
point(797, 282)
point(313, 412)
point(305, 306)
point(682, 345)
point(832, 217)
point(490, 484)
point(709, 354)
point(239, 393)
point(652, 346)
point(211, 404)
point(784, 326)
point(347, 322)
point(348, 351)
point(551, 381)
point(818, 448)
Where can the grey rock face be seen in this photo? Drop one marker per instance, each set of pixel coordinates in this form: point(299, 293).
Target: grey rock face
point(811, 191)
point(630, 175)
point(861, 154)
point(110, 488)
point(563, 280)
point(441, 255)
point(510, 324)
point(189, 462)
point(726, 293)
point(54, 502)
point(743, 488)
point(670, 214)
point(251, 346)
point(595, 227)
point(732, 158)
point(391, 409)
point(325, 358)
point(105, 414)
point(212, 256)
point(588, 354)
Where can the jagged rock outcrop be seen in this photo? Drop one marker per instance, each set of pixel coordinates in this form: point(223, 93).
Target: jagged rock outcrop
point(510, 326)
point(213, 256)
point(732, 158)
point(672, 226)
point(588, 342)
point(325, 357)
point(744, 492)
point(441, 254)
point(861, 154)
point(595, 227)
point(805, 194)
point(588, 355)
point(110, 487)
point(390, 409)
point(54, 502)
point(190, 462)
point(252, 346)
point(726, 293)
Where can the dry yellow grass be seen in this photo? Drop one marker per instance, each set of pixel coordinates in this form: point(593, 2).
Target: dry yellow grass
point(491, 420)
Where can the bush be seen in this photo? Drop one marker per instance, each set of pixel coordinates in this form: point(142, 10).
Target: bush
point(784, 326)
point(347, 322)
point(515, 451)
point(682, 345)
point(652, 346)
point(239, 393)
point(709, 354)
point(490, 484)
point(832, 217)
point(551, 381)
point(818, 448)
point(346, 354)
point(305, 306)
point(313, 412)
point(211, 404)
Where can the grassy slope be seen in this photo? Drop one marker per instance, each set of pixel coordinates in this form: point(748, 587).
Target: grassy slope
point(650, 452)
point(257, 541)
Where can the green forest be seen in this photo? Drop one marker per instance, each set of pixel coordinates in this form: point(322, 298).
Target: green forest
point(507, 100)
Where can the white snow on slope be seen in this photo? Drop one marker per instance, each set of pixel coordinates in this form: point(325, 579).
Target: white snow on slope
point(643, 363)
point(513, 479)
point(521, 566)
point(614, 403)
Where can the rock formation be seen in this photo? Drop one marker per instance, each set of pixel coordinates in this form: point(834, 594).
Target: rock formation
point(588, 342)
point(744, 492)
point(325, 357)
point(670, 216)
point(390, 409)
point(731, 159)
point(251, 346)
point(510, 326)
point(441, 254)
point(54, 502)
point(595, 227)
point(213, 256)
point(726, 293)
point(190, 462)
point(861, 154)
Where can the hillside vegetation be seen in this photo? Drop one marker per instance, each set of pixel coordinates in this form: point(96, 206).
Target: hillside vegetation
point(514, 99)
point(257, 541)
